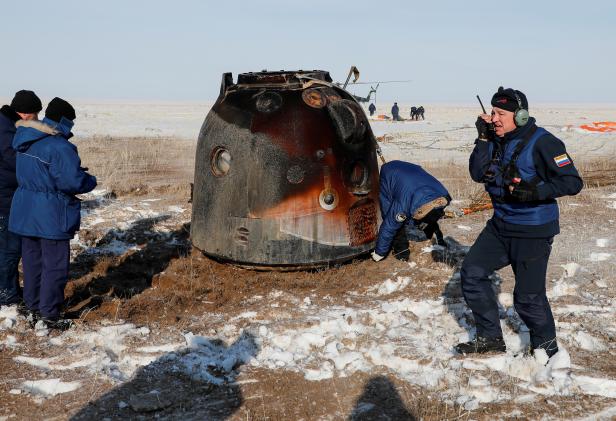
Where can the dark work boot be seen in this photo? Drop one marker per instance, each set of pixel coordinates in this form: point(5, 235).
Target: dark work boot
point(57, 323)
point(550, 347)
point(481, 345)
point(32, 316)
point(23, 309)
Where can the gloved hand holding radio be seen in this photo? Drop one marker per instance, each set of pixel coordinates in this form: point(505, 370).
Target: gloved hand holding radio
point(485, 131)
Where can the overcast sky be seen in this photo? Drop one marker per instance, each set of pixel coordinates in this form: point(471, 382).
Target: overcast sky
point(554, 51)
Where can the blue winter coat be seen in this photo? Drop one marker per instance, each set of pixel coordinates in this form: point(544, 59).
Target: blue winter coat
point(405, 187)
point(49, 175)
point(8, 181)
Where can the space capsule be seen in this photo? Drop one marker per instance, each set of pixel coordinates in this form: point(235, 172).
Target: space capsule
point(286, 173)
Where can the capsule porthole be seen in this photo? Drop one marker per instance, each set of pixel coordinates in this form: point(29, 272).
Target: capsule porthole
point(220, 161)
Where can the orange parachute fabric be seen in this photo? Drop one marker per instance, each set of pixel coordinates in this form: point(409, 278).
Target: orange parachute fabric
point(600, 126)
point(383, 117)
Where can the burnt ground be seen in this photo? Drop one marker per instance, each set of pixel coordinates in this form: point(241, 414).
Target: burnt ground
point(164, 284)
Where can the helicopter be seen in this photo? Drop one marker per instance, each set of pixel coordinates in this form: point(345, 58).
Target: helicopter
point(354, 71)
point(367, 98)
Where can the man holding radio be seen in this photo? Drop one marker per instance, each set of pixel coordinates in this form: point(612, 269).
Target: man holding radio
point(524, 169)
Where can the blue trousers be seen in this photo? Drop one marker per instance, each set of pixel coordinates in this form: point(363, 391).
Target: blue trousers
point(45, 265)
point(528, 258)
point(10, 253)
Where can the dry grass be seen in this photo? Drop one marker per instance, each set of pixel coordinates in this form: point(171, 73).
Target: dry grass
point(128, 164)
point(455, 178)
point(598, 173)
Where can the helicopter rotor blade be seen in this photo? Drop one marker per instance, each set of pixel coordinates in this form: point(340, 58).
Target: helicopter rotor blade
point(382, 81)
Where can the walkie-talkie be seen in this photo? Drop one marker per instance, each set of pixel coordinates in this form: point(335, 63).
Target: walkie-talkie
point(490, 125)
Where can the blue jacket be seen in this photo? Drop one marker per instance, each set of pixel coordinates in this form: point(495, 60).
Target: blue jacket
point(49, 175)
point(544, 162)
point(8, 180)
point(405, 187)
point(395, 110)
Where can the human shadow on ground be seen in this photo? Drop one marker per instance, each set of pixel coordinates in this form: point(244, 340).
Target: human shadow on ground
point(380, 401)
point(134, 273)
point(114, 240)
point(89, 205)
point(196, 383)
point(453, 255)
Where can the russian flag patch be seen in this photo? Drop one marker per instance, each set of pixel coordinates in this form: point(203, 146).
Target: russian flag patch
point(562, 160)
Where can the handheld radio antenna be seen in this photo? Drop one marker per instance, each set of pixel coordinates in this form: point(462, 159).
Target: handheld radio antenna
point(481, 103)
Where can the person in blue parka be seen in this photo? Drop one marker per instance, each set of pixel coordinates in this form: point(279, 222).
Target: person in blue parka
point(524, 168)
point(24, 106)
point(412, 201)
point(395, 112)
point(372, 108)
point(45, 210)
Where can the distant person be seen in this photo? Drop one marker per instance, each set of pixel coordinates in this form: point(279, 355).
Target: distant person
point(395, 112)
point(413, 113)
point(524, 168)
point(45, 211)
point(420, 113)
point(24, 106)
point(372, 108)
point(412, 202)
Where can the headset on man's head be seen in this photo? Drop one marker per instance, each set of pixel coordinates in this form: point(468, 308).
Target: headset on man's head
point(520, 115)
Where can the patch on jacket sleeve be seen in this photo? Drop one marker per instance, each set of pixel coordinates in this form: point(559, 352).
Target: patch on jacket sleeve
point(562, 160)
point(401, 217)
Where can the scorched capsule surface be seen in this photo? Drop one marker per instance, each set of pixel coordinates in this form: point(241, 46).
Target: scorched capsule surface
point(286, 173)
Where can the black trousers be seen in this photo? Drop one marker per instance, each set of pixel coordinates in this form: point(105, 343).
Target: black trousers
point(10, 253)
point(528, 258)
point(410, 232)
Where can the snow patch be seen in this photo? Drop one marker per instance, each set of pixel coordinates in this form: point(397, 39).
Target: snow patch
point(49, 387)
point(599, 257)
point(114, 247)
point(8, 316)
point(588, 342)
point(160, 348)
point(596, 386)
point(389, 287)
point(571, 269)
point(213, 361)
point(562, 289)
point(48, 363)
point(10, 341)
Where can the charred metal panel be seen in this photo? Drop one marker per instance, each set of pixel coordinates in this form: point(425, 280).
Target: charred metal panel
point(286, 173)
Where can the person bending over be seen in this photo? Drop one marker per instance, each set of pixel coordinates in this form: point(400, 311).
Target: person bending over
point(412, 201)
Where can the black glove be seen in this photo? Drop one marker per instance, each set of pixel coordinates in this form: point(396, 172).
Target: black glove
point(431, 218)
point(525, 192)
point(484, 130)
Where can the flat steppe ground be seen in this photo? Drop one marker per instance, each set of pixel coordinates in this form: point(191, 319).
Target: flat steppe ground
point(166, 333)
